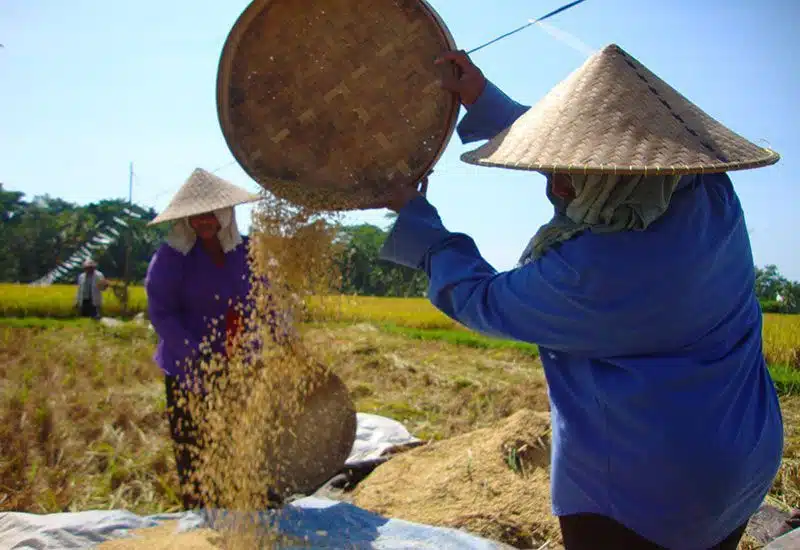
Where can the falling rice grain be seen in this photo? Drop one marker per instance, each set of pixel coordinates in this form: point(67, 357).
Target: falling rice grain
point(248, 410)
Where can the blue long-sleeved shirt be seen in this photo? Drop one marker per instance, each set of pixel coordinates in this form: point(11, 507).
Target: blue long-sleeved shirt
point(664, 415)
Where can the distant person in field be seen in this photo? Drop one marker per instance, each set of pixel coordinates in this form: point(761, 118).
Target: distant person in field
point(89, 296)
point(198, 279)
point(667, 432)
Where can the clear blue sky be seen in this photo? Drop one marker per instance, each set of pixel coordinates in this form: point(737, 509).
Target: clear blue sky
point(88, 86)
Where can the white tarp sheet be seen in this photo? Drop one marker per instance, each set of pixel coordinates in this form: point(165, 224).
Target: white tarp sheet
point(343, 525)
point(789, 541)
point(375, 435)
point(324, 524)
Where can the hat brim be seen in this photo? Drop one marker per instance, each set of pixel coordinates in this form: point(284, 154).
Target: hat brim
point(770, 158)
point(614, 116)
point(171, 215)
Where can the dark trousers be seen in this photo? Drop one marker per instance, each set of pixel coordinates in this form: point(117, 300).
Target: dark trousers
point(88, 309)
point(187, 446)
point(185, 443)
point(595, 532)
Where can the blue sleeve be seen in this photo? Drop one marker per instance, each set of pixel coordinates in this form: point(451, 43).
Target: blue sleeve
point(540, 303)
point(492, 113)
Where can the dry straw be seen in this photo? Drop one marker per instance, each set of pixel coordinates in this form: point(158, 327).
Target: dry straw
point(493, 482)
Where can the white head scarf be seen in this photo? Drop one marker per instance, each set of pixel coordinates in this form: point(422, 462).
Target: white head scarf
point(603, 203)
point(182, 237)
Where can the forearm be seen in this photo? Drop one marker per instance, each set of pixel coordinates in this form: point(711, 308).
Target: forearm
point(492, 113)
point(540, 303)
point(457, 273)
point(176, 338)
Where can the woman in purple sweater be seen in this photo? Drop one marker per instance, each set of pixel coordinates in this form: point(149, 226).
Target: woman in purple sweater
point(198, 280)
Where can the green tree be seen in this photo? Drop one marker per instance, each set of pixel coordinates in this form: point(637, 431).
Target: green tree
point(775, 292)
point(11, 205)
point(39, 235)
point(364, 273)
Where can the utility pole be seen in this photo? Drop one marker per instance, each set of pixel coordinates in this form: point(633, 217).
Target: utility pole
point(128, 245)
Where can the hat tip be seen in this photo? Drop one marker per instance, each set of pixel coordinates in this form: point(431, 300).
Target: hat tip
point(612, 48)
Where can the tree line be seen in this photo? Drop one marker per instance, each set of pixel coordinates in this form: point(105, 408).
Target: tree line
point(40, 234)
point(37, 235)
point(776, 293)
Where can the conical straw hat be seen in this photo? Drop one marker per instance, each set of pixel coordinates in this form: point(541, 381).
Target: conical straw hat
point(613, 115)
point(203, 192)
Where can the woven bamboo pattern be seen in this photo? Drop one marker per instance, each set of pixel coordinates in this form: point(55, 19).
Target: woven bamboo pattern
point(314, 445)
point(201, 193)
point(613, 115)
point(332, 104)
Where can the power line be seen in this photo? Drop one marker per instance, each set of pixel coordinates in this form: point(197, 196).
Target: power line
point(528, 24)
point(171, 189)
point(231, 163)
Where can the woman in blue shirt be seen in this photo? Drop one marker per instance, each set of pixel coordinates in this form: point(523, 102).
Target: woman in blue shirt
point(667, 431)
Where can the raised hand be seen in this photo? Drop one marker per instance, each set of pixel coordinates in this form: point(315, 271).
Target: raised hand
point(468, 82)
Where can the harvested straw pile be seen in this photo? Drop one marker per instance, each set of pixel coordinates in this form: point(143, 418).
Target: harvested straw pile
point(493, 482)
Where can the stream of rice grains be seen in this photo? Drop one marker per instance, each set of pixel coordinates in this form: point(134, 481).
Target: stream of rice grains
point(251, 400)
